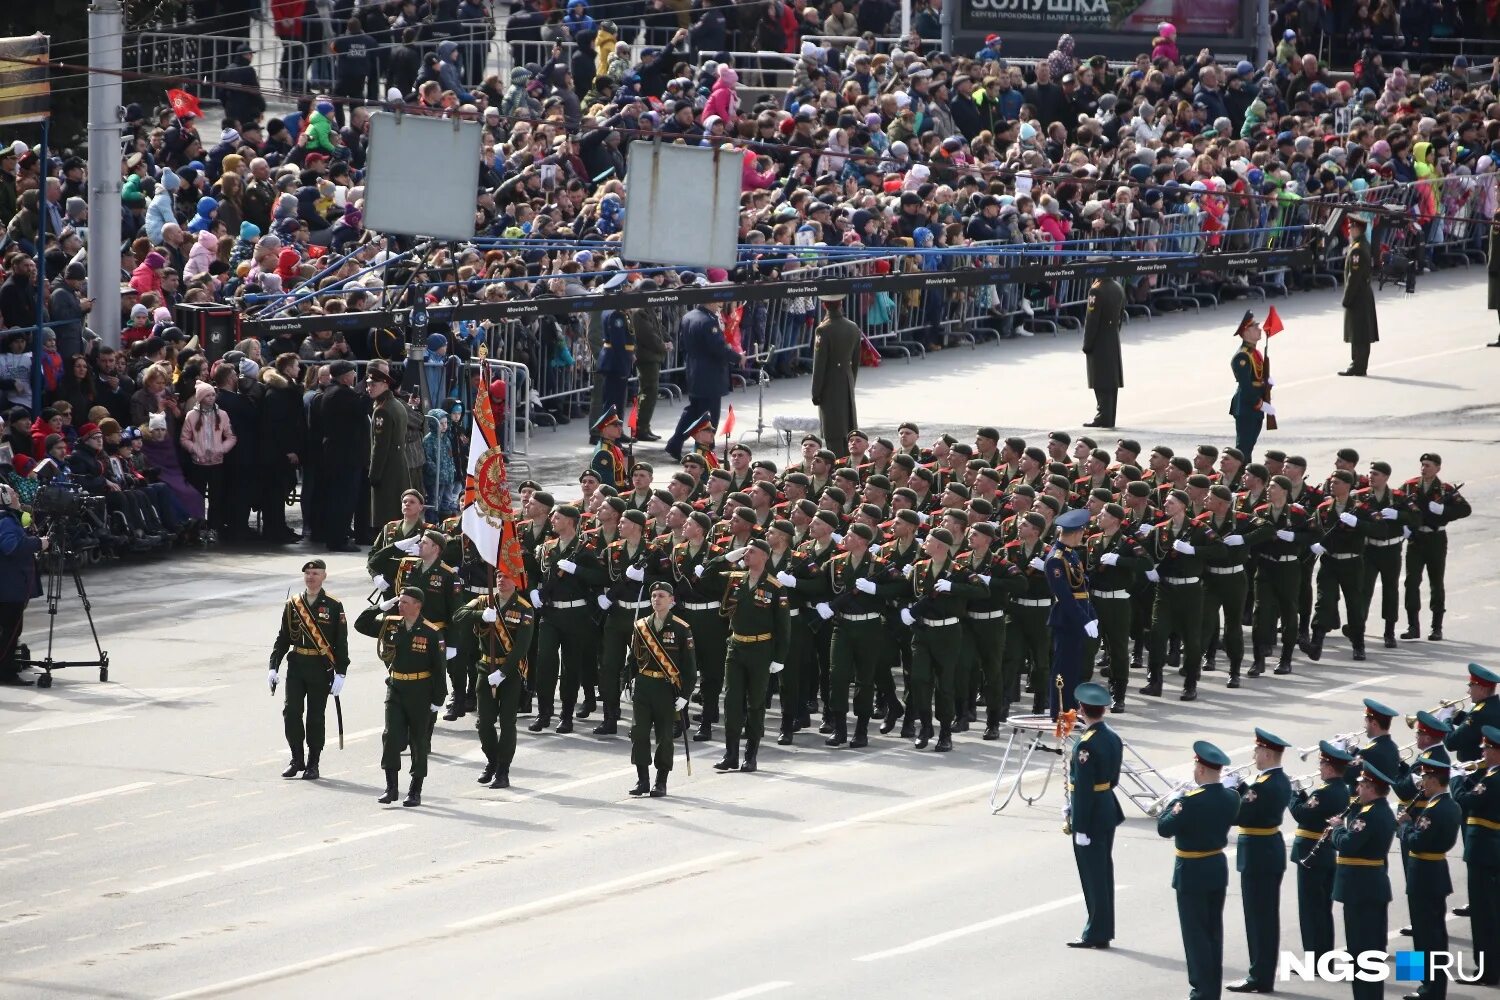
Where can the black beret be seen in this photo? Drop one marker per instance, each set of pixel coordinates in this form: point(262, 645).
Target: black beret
point(871, 510)
point(1024, 490)
point(662, 585)
point(958, 489)
point(314, 564)
point(806, 507)
point(1036, 454)
point(905, 461)
point(1182, 463)
point(985, 528)
point(1101, 494)
point(980, 505)
point(1015, 444)
point(616, 504)
point(1115, 511)
point(1347, 455)
point(991, 473)
point(1296, 460)
point(941, 534)
point(720, 474)
point(879, 482)
point(1165, 451)
point(1208, 451)
point(988, 432)
point(1180, 497)
point(1199, 481)
point(744, 514)
point(909, 516)
point(1282, 481)
point(1258, 471)
point(1275, 455)
point(1344, 476)
point(1384, 468)
point(415, 593)
point(828, 517)
point(686, 479)
point(702, 520)
point(836, 493)
point(1236, 454)
point(636, 517)
point(1036, 520)
point(568, 510)
point(1221, 491)
point(863, 531)
point(1430, 456)
point(1061, 482)
point(784, 526)
point(1138, 488)
point(906, 492)
point(801, 479)
point(663, 496)
point(1061, 437)
point(1051, 503)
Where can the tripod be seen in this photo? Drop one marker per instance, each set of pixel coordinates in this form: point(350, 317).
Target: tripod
point(58, 563)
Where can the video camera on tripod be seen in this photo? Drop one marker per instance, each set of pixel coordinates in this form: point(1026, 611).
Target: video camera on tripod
point(66, 507)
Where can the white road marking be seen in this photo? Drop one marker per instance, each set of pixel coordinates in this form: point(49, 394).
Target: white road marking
point(1330, 692)
point(567, 785)
point(75, 799)
point(310, 848)
point(62, 836)
point(168, 883)
point(25, 918)
point(79, 937)
point(131, 926)
point(901, 807)
point(69, 719)
point(755, 991)
point(110, 826)
point(983, 925)
point(27, 951)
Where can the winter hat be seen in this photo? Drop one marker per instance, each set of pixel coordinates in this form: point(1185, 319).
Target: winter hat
point(249, 231)
point(324, 107)
point(155, 260)
point(170, 180)
point(138, 312)
point(229, 137)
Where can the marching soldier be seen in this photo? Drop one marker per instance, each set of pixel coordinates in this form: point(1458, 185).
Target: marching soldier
point(663, 662)
point(622, 570)
point(1278, 579)
point(1436, 505)
point(1312, 811)
point(314, 639)
point(1226, 585)
point(1094, 814)
point(441, 588)
point(697, 603)
point(1361, 880)
point(1466, 740)
point(1479, 797)
point(984, 621)
point(1027, 645)
point(1260, 858)
point(1430, 732)
point(414, 653)
point(1391, 520)
point(499, 629)
point(1379, 750)
point(565, 644)
point(1341, 521)
point(756, 607)
point(1115, 561)
point(1428, 832)
point(474, 578)
point(1199, 823)
point(1179, 546)
point(397, 540)
point(1072, 620)
point(900, 553)
point(939, 593)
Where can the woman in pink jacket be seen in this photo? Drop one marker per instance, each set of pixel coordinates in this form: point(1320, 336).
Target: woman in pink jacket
point(207, 438)
point(724, 99)
point(147, 274)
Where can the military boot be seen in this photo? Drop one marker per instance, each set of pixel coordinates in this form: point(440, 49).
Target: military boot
point(894, 713)
point(392, 793)
point(311, 772)
point(925, 734)
point(861, 733)
point(705, 731)
point(1234, 674)
point(608, 727)
point(1413, 627)
point(945, 737)
point(788, 730)
point(296, 766)
point(502, 779)
point(840, 732)
point(1358, 642)
point(589, 704)
point(659, 790)
point(487, 775)
point(1153, 681)
point(1285, 666)
point(642, 781)
point(455, 708)
point(1390, 635)
point(1117, 690)
point(1436, 635)
point(1211, 653)
point(1314, 647)
point(414, 793)
point(731, 760)
point(751, 750)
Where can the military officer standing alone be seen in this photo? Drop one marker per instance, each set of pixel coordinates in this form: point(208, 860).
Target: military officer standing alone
point(1101, 346)
point(389, 475)
point(835, 369)
point(662, 658)
point(1260, 857)
point(1095, 812)
point(1361, 881)
point(498, 627)
point(314, 638)
point(1199, 823)
point(414, 652)
point(1252, 385)
point(1360, 326)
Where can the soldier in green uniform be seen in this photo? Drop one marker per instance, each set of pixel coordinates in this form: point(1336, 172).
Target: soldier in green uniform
point(1094, 812)
point(390, 477)
point(1226, 585)
point(755, 605)
point(1390, 521)
point(1179, 545)
point(1311, 810)
point(623, 569)
point(443, 594)
point(562, 595)
point(1479, 798)
point(498, 629)
point(314, 639)
point(1379, 749)
point(474, 577)
point(1278, 579)
point(1251, 402)
point(798, 683)
point(836, 344)
point(939, 594)
point(609, 462)
point(902, 551)
point(1115, 562)
point(1361, 880)
point(1465, 741)
point(1436, 505)
point(1341, 522)
point(664, 663)
point(1260, 858)
point(697, 603)
point(1360, 326)
point(984, 619)
point(1430, 732)
point(396, 540)
point(414, 653)
point(1199, 823)
point(1428, 829)
point(1028, 646)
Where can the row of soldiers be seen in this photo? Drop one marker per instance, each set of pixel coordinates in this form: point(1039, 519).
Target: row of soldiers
point(1447, 786)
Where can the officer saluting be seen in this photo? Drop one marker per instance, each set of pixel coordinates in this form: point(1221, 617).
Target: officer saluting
point(1428, 830)
point(1199, 823)
point(1094, 773)
point(314, 639)
point(415, 654)
point(1260, 857)
point(1361, 881)
point(1312, 811)
point(662, 658)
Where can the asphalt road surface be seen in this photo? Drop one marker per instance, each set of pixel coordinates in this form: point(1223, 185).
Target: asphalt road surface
point(148, 846)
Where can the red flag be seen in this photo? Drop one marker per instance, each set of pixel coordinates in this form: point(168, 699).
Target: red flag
point(1272, 325)
point(184, 105)
point(635, 415)
point(729, 422)
point(488, 516)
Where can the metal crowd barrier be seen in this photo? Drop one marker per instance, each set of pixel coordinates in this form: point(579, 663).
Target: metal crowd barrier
point(202, 57)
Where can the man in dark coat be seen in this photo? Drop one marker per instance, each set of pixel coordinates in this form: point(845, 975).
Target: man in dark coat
point(390, 476)
point(283, 432)
point(343, 417)
point(240, 89)
point(242, 470)
point(1101, 345)
point(1360, 327)
point(19, 582)
point(1494, 275)
point(707, 359)
point(835, 369)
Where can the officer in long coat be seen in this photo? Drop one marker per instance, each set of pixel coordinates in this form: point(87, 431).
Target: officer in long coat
point(1360, 327)
point(389, 474)
point(835, 369)
point(1101, 346)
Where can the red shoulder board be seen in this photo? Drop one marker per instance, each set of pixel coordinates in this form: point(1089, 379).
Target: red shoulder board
point(1203, 518)
point(1298, 508)
point(1013, 545)
point(1325, 503)
point(1413, 481)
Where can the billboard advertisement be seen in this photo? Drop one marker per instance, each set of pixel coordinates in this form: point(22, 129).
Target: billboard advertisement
point(1193, 18)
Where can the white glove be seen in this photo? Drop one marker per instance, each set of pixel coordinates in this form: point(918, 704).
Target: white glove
point(1285, 536)
point(680, 704)
point(1091, 628)
point(536, 598)
point(1037, 564)
point(387, 604)
point(922, 517)
point(435, 709)
point(495, 678)
point(1186, 548)
point(1317, 548)
point(786, 579)
point(567, 566)
point(1446, 713)
point(698, 570)
point(1389, 513)
point(490, 616)
point(875, 549)
point(1405, 531)
point(379, 582)
point(906, 570)
point(273, 677)
point(906, 618)
point(1144, 530)
point(338, 685)
point(452, 652)
point(1435, 507)
point(410, 545)
point(1153, 576)
point(1268, 409)
point(604, 602)
point(838, 539)
point(824, 611)
point(1081, 839)
point(943, 586)
point(984, 578)
point(1270, 380)
point(1109, 559)
point(636, 573)
point(735, 555)
point(776, 667)
point(1232, 780)
point(1234, 541)
point(864, 586)
point(1348, 519)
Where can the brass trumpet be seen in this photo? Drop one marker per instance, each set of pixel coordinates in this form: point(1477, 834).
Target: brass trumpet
point(1411, 720)
point(1348, 739)
point(1305, 782)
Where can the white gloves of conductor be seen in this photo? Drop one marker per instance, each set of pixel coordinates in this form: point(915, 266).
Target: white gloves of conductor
point(1285, 536)
point(1234, 541)
point(338, 685)
point(636, 573)
point(410, 545)
point(490, 616)
point(1349, 519)
point(864, 586)
point(943, 586)
point(906, 617)
point(824, 611)
point(786, 579)
point(777, 668)
point(536, 598)
point(735, 555)
point(273, 677)
point(1081, 839)
point(1091, 628)
point(1109, 559)
point(680, 704)
point(1232, 780)
point(1037, 564)
point(1153, 576)
point(1389, 513)
point(1317, 548)
point(1186, 548)
point(387, 604)
point(1435, 507)
point(379, 582)
point(567, 566)
point(604, 602)
point(495, 678)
